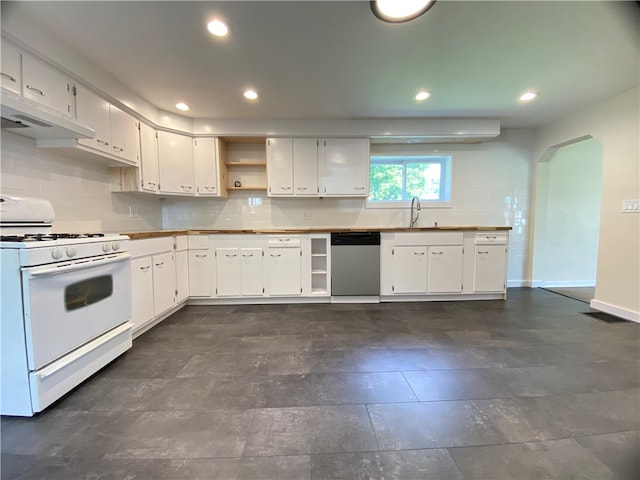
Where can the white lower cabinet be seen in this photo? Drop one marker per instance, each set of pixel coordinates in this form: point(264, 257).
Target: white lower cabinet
point(445, 269)
point(141, 291)
point(251, 272)
point(164, 282)
point(283, 267)
point(200, 273)
point(182, 269)
point(444, 264)
point(239, 272)
point(153, 279)
point(490, 262)
point(409, 269)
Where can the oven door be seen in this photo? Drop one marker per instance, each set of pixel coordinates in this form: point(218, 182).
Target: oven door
point(68, 304)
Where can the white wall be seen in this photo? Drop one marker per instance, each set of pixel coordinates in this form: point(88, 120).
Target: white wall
point(614, 123)
point(568, 197)
point(79, 190)
point(490, 187)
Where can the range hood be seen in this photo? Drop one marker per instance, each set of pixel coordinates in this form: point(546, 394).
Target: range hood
point(23, 117)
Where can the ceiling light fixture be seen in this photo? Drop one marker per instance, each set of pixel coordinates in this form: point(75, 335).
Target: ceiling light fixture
point(529, 96)
point(182, 106)
point(394, 11)
point(218, 28)
point(250, 95)
point(422, 95)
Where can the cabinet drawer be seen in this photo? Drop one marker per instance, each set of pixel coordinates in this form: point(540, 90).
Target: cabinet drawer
point(428, 238)
point(198, 242)
point(284, 241)
point(181, 243)
point(491, 238)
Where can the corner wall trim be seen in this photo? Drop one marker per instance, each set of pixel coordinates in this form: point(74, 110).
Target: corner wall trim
point(615, 310)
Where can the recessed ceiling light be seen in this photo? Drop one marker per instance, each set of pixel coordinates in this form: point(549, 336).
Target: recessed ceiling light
point(422, 95)
point(250, 95)
point(218, 28)
point(395, 11)
point(528, 96)
point(182, 106)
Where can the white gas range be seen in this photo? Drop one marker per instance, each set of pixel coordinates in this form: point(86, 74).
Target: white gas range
point(66, 305)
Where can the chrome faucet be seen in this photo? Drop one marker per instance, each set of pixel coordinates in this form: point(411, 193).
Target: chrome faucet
point(415, 207)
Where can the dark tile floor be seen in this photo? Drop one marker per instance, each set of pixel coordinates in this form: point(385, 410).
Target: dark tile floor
point(524, 389)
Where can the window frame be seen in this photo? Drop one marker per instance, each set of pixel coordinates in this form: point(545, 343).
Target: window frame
point(403, 158)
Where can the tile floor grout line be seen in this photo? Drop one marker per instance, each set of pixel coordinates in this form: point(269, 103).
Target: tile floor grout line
point(373, 428)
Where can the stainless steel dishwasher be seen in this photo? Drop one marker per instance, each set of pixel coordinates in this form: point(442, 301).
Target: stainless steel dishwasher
point(355, 264)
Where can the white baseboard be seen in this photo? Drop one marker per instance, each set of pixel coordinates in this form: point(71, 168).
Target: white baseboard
point(561, 284)
point(615, 310)
point(518, 283)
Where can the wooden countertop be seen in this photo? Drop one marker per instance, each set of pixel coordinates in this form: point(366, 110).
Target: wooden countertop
point(298, 231)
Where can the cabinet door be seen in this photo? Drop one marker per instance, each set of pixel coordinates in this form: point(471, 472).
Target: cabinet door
point(164, 282)
point(343, 167)
point(490, 268)
point(124, 136)
point(141, 291)
point(409, 269)
point(148, 158)
point(284, 271)
point(175, 161)
point(228, 272)
point(445, 269)
point(45, 85)
point(199, 273)
point(205, 164)
point(94, 111)
point(11, 70)
point(182, 275)
point(280, 166)
point(305, 166)
point(251, 272)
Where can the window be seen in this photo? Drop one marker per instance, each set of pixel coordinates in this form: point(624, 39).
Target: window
point(395, 180)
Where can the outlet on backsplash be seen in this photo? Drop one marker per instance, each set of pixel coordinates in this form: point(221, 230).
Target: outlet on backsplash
point(133, 211)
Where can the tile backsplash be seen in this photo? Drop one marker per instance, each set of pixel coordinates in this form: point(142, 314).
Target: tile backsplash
point(491, 186)
point(78, 189)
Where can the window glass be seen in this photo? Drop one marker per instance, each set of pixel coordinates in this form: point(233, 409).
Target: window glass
point(400, 178)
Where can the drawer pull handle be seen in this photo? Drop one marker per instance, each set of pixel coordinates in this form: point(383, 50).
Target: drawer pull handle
point(186, 188)
point(8, 77)
point(37, 90)
point(102, 142)
point(151, 184)
point(159, 264)
point(118, 149)
point(302, 188)
point(285, 188)
point(483, 253)
point(418, 253)
point(231, 255)
point(210, 189)
point(359, 188)
point(284, 239)
point(491, 237)
point(437, 253)
point(247, 255)
point(145, 268)
point(201, 256)
point(276, 255)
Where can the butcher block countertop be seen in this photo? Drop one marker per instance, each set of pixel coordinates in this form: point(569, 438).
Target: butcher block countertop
point(297, 231)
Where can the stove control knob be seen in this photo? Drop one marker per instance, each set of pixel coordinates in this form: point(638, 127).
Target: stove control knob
point(56, 253)
point(72, 251)
point(115, 246)
point(106, 247)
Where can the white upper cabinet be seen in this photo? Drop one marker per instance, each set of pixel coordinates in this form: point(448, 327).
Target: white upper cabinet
point(45, 85)
point(206, 164)
point(94, 111)
point(148, 159)
point(116, 131)
point(343, 167)
point(305, 166)
point(175, 161)
point(280, 166)
point(124, 136)
point(11, 71)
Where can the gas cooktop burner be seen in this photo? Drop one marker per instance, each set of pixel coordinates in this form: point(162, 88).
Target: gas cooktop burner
point(39, 237)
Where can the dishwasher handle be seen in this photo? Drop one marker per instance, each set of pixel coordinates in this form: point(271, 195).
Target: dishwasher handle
point(355, 238)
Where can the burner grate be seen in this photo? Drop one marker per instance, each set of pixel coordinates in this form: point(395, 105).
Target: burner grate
point(39, 237)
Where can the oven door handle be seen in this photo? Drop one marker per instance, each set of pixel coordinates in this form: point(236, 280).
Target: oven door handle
point(77, 265)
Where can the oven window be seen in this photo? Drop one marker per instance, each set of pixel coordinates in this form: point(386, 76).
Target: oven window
point(88, 292)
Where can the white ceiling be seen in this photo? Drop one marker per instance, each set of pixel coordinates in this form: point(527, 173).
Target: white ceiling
point(335, 60)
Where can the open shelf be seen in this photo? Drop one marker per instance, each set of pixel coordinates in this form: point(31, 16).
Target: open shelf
point(246, 162)
point(245, 188)
point(320, 266)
